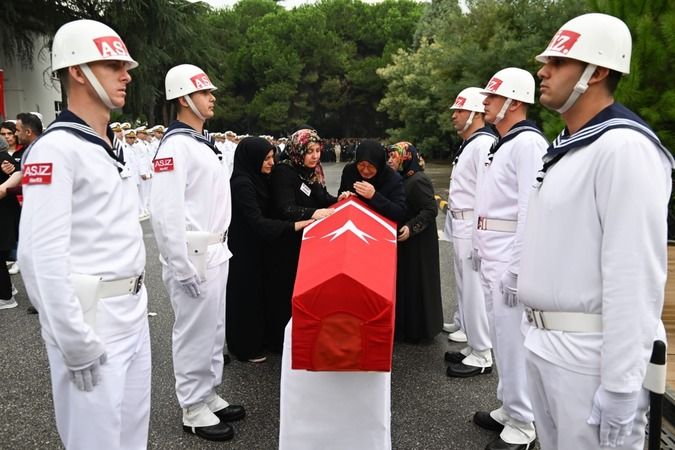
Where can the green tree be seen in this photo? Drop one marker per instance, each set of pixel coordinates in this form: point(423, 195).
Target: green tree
point(468, 48)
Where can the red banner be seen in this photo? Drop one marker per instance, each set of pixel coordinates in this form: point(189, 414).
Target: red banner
point(2, 95)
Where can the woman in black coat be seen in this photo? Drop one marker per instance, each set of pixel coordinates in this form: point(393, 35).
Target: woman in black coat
point(251, 231)
point(299, 193)
point(374, 182)
point(419, 313)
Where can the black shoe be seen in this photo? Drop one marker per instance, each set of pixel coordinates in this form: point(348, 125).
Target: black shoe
point(461, 370)
point(226, 359)
point(218, 432)
point(499, 444)
point(31, 310)
point(454, 357)
point(231, 413)
point(484, 420)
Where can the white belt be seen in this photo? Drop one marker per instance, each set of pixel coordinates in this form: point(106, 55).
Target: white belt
point(124, 286)
point(507, 226)
point(462, 214)
point(575, 322)
point(217, 238)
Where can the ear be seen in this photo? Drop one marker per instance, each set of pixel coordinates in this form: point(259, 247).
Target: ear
point(182, 102)
point(515, 104)
point(76, 74)
point(600, 74)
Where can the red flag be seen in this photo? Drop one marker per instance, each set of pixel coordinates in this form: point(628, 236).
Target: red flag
point(345, 292)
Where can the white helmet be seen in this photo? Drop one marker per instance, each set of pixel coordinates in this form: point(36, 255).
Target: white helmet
point(186, 79)
point(84, 41)
point(513, 83)
point(596, 39)
point(593, 38)
point(470, 99)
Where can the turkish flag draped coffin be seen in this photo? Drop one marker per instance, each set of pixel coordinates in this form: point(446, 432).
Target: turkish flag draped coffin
point(345, 292)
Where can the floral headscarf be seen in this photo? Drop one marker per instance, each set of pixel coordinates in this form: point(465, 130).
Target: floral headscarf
point(409, 156)
point(297, 149)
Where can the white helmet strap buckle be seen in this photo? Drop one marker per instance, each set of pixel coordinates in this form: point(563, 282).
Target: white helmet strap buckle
point(469, 121)
point(579, 88)
point(102, 94)
point(193, 108)
point(502, 112)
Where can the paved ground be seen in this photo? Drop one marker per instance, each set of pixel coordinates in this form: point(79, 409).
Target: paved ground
point(429, 410)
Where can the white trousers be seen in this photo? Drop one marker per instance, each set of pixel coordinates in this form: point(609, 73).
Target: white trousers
point(507, 340)
point(562, 402)
point(333, 410)
point(116, 414)
point(470, 297)
point(198, 335)
point(144, 190)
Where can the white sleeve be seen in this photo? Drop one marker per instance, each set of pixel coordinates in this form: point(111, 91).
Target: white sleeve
point(632, 195)
point(528, 162)
point(167, 200)
point(44, 252)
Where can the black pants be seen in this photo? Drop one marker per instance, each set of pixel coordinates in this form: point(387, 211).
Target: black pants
point(5, 281)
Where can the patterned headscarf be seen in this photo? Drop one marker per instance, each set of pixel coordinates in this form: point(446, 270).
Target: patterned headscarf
point(297, 149)
point(409, 156)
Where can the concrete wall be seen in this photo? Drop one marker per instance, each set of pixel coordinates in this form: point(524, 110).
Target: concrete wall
point(31, 90)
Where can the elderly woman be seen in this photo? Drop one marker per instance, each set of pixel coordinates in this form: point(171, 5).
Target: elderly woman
point(298, 193)
point(251, 231)
point(373, 182)
point(419, 314)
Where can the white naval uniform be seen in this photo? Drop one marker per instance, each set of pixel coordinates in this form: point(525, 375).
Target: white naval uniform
point(503, 195)
point(595, 243)
point(85, 221)
point(467, 176)
point(144, 159)
point(193, 196)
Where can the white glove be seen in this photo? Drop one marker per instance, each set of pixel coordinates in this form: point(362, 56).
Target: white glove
point(191, 286)
point(88, 375)
point(475, 260)
point(615, 413)
point(508, 285)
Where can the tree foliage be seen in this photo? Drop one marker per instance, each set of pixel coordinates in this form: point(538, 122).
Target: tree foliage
point(350, 68)
point(462, 49)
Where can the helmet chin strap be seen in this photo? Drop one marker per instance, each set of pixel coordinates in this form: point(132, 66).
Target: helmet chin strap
point(579, 88)
point(193, 108)
point(469, 121)
point(502, 112)
point(102, 94)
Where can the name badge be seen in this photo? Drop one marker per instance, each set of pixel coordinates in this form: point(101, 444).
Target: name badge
point(305, 189)
point(163, 165)
point(37, 173)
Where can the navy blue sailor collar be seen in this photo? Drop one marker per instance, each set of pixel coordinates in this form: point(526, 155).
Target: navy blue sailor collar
point(516, 129)
point(613, 116)
point(485, 131)
point(72, 123)
point(178, 127)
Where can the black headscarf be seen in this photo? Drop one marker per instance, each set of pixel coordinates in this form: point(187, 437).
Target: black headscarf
point(373, 152)
point(248, 159)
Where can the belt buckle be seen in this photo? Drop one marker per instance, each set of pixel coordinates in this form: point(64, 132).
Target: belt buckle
point(139, 283)
point(530, 316)
point(480, 223)
point(224, 236)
